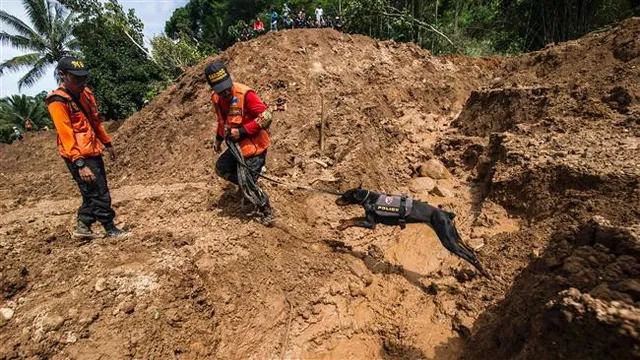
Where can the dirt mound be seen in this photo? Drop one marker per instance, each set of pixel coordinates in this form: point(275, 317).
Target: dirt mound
point(585, 282)
point(370, 94)
point(554, 141)
point(208, 281)
point(199, 279)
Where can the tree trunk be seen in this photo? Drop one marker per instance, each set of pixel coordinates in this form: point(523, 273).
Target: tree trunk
point(433, 37)
point(455, 24)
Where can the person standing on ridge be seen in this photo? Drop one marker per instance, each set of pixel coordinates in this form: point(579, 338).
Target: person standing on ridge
point(258, 26)
point(273, 20)
point(319, 14)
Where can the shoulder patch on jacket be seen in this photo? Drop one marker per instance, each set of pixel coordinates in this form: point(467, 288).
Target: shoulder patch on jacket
point(54, 98)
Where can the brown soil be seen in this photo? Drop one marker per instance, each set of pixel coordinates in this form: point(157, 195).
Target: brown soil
point(543, 149)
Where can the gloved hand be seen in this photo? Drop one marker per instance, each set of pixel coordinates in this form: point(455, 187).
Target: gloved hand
point(264, 120)
point(234, 134)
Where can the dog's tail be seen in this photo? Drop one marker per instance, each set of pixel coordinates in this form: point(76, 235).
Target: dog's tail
point(448, 234)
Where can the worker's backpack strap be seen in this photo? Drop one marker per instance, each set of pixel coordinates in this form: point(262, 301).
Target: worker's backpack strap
point(403, 211)
point(76, 100)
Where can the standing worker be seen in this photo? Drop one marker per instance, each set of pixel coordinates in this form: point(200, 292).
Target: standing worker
point(81, 140)
point(243, 121)
point(319, 15)
point(17, 133)
point(273, 18)
point(28, 124)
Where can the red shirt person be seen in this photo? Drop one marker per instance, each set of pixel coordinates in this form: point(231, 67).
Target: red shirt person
point(258, 25)
point(243, 120)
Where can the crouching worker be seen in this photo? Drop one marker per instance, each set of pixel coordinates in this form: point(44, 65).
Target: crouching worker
point(243, 121)
point(81, 140)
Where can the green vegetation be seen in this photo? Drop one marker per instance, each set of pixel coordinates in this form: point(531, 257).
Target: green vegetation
point(473, 27)
point(15, 109)
point(46, 42)
point(175, 56)
point(122, 72)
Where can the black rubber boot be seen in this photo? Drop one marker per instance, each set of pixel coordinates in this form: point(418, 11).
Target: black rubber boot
point(83, 231)
point(267, 217)
point(113, 231)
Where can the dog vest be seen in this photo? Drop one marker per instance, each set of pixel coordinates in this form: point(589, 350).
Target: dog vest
point(394, 206)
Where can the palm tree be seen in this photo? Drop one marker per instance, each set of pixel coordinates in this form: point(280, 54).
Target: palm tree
point(47, 42)
point(16, 109)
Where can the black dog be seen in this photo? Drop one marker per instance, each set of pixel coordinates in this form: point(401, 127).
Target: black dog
point(397, 210)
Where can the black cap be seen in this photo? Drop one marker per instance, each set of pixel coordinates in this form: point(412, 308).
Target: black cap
point(218, 76)
point(72, 65)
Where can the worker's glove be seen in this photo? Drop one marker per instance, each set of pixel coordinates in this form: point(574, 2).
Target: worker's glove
point(264, 120)
point(217, 145)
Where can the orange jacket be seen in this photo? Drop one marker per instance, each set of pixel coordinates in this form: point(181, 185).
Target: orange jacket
point(78, 137)
point(237, 117)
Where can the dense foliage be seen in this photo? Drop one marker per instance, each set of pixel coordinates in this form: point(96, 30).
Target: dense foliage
point(475, 27)
point(122, 73)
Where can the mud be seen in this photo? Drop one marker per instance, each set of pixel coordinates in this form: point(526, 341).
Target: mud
point(542, 150)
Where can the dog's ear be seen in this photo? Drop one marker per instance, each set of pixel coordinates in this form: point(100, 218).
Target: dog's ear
point(360, 186)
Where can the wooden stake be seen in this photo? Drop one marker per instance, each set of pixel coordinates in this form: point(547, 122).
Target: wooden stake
point(321, 123)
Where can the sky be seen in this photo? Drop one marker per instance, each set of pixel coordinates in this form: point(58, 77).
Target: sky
point(153, 13)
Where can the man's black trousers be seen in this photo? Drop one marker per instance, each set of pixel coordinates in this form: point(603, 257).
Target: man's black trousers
point(96, 199)
point(227, 166)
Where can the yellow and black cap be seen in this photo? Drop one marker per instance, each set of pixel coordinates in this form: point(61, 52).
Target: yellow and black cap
point(72, 65)
point(218, 77)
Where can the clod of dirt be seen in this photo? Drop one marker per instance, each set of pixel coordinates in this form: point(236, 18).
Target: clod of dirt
point(128, 307)
point(442, 190)
point(422, 185)
point(367, 279)
point(100, 285)
point(356, 289)
point(619, 99)
point(52, 322)
point(433, 169)
point(5, 315)
point(13, 281)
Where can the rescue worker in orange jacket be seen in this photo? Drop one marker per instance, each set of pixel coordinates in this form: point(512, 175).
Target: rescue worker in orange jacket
point(81, 140)
point(242, 118)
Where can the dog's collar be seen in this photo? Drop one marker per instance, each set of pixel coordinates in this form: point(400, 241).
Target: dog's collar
point(365, 198)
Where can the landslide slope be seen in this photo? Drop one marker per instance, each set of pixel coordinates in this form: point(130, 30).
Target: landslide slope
point(199, 278)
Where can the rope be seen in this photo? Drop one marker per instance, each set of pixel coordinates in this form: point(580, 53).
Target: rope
point(252, 187)
point(248, 184)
